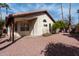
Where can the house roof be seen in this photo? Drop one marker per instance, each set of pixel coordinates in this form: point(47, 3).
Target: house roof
point(10, 18)
point(33, 12)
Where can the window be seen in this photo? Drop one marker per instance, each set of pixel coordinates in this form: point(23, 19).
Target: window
point(27, 27)
point(24, 27)
point(45, 25)
point(44, 20)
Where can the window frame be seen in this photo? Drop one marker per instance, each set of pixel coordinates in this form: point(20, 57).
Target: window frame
point(45, 25)
point(24, 27)
point(45, 20)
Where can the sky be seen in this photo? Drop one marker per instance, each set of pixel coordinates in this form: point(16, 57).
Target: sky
point(54, 9)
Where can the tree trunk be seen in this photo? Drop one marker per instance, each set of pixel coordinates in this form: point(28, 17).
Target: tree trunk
point(6, 11)
point(0, 14)
point(62, 12)
point(69, 17)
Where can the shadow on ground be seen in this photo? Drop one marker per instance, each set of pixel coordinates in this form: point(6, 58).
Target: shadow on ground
point(61, 50)
point(10, 43)
point(4, 41)
point(76, 36)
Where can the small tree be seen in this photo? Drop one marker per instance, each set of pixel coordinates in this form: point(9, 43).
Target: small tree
point(59, 25)
point(1, 24)
point(77, 28)
point(78, 15)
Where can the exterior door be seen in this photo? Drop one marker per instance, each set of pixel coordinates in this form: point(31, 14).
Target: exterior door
point(50, 28)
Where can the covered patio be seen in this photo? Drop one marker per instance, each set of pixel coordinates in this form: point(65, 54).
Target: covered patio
point(24, 26)
point(20, 25)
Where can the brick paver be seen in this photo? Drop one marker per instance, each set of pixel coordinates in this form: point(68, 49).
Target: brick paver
point(32, 46)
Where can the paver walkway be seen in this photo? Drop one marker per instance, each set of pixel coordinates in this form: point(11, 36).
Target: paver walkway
point(32, 46)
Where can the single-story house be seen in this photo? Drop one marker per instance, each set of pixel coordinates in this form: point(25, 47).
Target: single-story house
point(34, 23)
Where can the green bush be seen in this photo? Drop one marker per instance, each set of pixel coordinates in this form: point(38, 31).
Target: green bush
point(46, 34)
point(75, 30)
point(59, 25)
point(1, 24)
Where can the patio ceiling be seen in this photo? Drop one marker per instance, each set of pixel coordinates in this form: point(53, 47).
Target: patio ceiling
point(24, 19)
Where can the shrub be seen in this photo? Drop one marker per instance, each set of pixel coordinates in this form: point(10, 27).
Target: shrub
point(46, 34)
point(60, 49)
point(1, 24)
point(59, 25)
point(77, 28)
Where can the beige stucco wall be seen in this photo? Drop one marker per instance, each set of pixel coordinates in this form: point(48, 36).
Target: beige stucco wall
point(39, 28)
